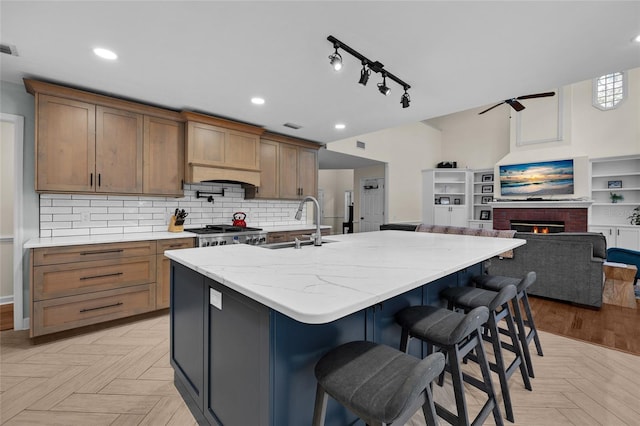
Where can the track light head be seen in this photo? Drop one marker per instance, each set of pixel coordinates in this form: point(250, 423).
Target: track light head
point(405, 99)
point(335, 59)
point(364, 75)
point(382, 87)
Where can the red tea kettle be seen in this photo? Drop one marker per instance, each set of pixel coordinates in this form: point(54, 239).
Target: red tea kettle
point(238, 219)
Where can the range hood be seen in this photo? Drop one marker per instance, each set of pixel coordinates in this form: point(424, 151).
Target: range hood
point(221, 150)
point(207, 173)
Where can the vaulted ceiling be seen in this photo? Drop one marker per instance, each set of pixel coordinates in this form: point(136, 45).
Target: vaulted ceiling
point(213, 56)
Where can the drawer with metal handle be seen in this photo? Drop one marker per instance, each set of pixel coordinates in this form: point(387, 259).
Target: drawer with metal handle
point(69, 279)
point(92, 252)
point(64, 313)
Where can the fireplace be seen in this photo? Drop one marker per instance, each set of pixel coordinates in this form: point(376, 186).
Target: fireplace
point(572, 214)
point(537, 226)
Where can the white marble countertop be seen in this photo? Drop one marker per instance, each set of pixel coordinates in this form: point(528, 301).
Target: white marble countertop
point(104, 238)
point(318, 285)
point(140, 236)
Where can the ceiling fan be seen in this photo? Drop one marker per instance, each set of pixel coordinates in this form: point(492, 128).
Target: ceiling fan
point(517, 105)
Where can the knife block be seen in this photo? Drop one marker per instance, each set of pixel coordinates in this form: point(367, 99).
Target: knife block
point(173, 227)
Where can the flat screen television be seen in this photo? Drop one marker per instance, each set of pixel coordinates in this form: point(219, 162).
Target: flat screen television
point(537, 179)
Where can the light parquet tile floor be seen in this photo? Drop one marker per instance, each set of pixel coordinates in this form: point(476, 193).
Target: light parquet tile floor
point(121, 376)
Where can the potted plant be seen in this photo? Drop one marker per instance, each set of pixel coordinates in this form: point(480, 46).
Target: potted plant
point(635, 216)
point(615, 197)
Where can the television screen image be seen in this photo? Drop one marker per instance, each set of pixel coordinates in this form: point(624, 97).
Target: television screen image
point(540, 178)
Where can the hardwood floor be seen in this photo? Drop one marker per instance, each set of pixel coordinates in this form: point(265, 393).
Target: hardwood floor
point(121, 376)
point(612, 326)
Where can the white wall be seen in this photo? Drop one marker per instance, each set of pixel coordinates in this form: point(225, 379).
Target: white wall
point(407, 150)
point(334, 183)
point(7, 171)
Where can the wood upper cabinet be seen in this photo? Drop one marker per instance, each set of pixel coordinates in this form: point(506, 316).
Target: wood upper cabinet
point(163, 156)
point(65, 145)
point(91, 143)
point(118, 151)
point(219, 149)
point(289, 168)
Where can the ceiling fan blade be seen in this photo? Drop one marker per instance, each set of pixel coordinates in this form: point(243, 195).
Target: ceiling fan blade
point(489, 109)
point(537, 95)
point(515, 104)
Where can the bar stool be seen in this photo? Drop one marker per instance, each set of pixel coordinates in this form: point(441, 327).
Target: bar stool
point(456, 335)
point(379, 384)
point(496, 283)
point(469, 298)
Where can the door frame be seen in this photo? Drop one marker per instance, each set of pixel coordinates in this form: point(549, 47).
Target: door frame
point(18, 233)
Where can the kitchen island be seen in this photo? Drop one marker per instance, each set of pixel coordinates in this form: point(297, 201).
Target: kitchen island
point(248, 323)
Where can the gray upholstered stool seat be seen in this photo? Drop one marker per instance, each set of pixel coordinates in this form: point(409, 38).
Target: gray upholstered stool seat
point(379, 384)
point(469, 298)
point(522, 319)
point(455, 334)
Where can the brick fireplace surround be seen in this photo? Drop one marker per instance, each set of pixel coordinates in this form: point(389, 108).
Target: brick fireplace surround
point(575, 219)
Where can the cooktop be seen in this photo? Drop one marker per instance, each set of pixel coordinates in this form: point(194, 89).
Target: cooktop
point(221, 229)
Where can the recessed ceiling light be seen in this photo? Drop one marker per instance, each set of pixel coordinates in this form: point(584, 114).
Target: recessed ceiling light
point(637, 39)
point(340, 126)
point(105, 53)
point(257, 101)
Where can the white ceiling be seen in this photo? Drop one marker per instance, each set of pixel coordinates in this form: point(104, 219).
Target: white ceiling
point(214, 56)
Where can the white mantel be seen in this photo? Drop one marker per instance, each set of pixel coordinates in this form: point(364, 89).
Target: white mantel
point(546, 204)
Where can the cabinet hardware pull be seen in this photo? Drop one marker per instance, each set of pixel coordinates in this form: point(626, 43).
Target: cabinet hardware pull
point(83, 253)
point(175, 245)
point(101, 307)
point(115, 274)
point(99, 179)
point(91, 180)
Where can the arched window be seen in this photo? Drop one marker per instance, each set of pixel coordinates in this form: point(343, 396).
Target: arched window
point(609, 90)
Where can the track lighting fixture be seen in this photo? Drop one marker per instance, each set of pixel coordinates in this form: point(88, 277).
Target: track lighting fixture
point(335, 59)
point(364, 74)
point(382, 87)
point(405, 99)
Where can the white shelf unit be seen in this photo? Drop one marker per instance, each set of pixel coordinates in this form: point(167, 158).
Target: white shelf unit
point(612, 219)
point(446, 197)
point(481, 178)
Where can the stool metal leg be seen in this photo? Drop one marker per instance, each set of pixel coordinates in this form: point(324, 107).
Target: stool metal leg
point(522, 334)
point(533, 333)
point(320, 409)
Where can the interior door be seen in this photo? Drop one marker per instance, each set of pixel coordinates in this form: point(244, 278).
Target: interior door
point(371, 204)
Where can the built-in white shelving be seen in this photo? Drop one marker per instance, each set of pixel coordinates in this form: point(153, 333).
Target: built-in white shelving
point(618, 175)
point(446, 197)
point(483, 186)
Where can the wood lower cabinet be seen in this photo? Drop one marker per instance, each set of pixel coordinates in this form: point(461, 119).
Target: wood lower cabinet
point(75, 286)
point(288, 236)
point(163, 279)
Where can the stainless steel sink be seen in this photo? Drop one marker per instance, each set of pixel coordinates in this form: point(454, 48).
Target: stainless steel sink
point(292, 244)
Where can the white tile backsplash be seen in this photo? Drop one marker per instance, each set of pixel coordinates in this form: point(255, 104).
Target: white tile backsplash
point(69, 215)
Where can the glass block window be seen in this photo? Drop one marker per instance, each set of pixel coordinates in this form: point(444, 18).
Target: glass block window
point(609, 90)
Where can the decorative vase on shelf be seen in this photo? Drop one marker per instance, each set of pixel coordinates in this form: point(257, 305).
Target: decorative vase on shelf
point(615, 197)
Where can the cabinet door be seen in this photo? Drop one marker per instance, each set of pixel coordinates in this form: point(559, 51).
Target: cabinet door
point(163, 156)
point(628, 238)
point(118, 151)
point(441, 215)
point(163, 277)
point(608, 232)
point(206, 144)
point(65, 145)
point(308, 171)
point(458, 216)
point(269, 185)
point(289, 172)
point(242, 150)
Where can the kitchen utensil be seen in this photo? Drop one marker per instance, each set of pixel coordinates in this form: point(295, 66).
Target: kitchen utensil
point(238, 219)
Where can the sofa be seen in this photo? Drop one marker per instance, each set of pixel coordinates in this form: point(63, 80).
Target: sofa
point(568, 265)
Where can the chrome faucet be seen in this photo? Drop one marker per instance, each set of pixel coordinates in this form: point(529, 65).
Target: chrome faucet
point(317, 237)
